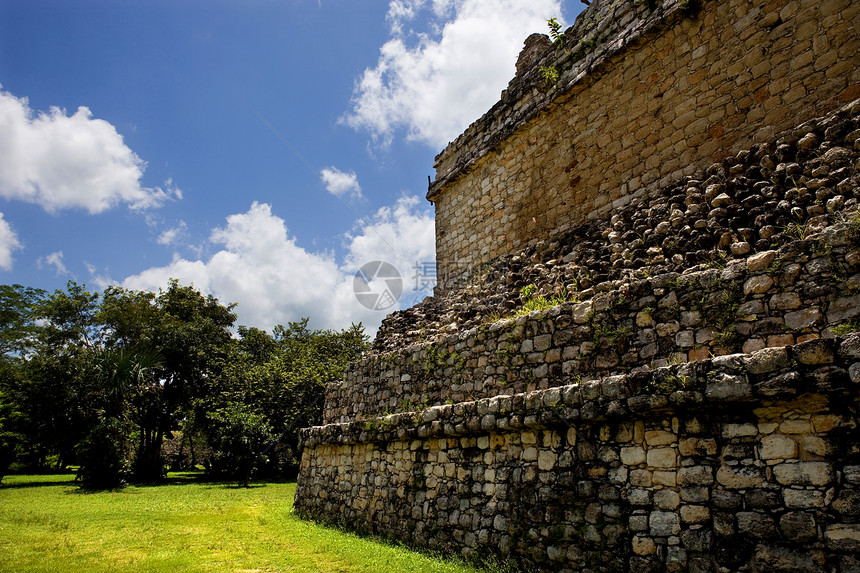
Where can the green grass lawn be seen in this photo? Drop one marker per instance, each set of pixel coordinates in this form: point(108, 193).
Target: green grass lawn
point(47, 524)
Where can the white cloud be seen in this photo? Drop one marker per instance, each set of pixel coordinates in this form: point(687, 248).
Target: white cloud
point(274, 280)
point(340, 182)
point(451, 74)
point(172, 236)
point(61, 161)
point(55, 260)
point(9, 243)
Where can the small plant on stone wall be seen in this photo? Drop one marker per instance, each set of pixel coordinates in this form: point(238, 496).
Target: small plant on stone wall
point(729, 339)
point(849, 327)
point(555, 33)
point(550, 73)
point(533, 301)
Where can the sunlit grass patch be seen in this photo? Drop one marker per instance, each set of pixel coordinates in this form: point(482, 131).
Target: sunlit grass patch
point(47, 524)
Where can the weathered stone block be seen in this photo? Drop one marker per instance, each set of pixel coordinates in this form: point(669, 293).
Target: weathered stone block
point(805, 318)
point(798, 527)
point(767, 360)
point(696, 475)
point(664, 523)
point(803, 498)
point(667, 499)
point(777, 446)
point(756, 525)
point(813, 352)
point(661, 457)
point(740, 477)
point(843, 537)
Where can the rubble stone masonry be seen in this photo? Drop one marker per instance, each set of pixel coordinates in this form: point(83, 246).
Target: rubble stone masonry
point(685, 202)
point(648, 91)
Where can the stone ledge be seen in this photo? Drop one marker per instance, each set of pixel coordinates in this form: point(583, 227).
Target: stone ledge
point(818, 366)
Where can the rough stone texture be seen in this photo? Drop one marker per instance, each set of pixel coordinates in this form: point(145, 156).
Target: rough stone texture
point(595, 475)
point(645, 96)
point(811, 274)
point(691, 186)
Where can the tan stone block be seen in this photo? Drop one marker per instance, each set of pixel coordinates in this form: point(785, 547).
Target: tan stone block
point(798, 426)
point(667, 478)
point(738, 430)
point(804, 473)
point(643, 545)
point(695, 514)
point(661, 457)
point(547, 460)
point(632, 456)
point(659, 437)
point(777, 446)
point(739, 477)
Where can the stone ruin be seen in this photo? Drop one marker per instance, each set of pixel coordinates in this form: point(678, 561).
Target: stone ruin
point(680, 207)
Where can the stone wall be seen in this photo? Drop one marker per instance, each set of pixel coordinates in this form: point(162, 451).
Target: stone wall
point(686, 199)
point(770, 299)
point(648, 92)
point(734, 462)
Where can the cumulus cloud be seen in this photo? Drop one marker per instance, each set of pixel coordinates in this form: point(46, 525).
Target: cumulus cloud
point(434, 83)
point(9, 243)
point(340, 182)
point(55, 260)
point(274, 280)
point(60, 161)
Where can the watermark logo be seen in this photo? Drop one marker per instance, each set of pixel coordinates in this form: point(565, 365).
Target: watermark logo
point(377, 285)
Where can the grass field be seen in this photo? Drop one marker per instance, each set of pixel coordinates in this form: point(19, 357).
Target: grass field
point(47, 524)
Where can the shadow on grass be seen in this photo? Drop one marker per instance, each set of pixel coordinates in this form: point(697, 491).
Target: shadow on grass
point(29, 484)
point(172, 479)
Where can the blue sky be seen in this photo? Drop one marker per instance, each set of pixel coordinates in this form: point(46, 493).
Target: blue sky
point(262, 150)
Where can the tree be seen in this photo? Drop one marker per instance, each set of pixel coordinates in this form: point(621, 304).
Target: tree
point(284, 377)
point(118, 374)
point(18, 313)
point(10, 439)
point(191, 334)
point(53, 334)
point(241, 438)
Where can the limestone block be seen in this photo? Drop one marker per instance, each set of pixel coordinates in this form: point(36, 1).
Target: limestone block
point(659, 437)
point(695, 514)
point(767, 360)
point(842, 537)
point(804, 473)
point(661, 457)
point(785, 301)
point(724, 387)
point(632, 455)
point(843, 308)
point(818, 351)
point(739, 477)
point(777, 446)
point(643, 545)
point(805, 318)
point(760, 261)
point(756, 525)
point(758, 284)
point(547, 460)
point(664, 523)
point(730, 430)
point(667, 499)
point(798, 527)
point(698, 475)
